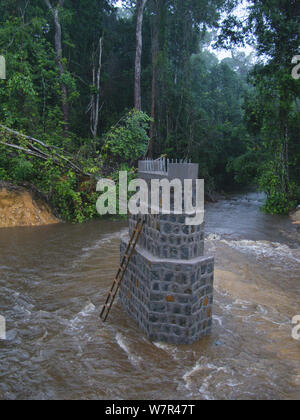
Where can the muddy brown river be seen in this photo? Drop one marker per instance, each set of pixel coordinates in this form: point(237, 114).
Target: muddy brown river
point(53, 281)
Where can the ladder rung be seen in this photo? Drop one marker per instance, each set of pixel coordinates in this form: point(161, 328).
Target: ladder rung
point(122, 269)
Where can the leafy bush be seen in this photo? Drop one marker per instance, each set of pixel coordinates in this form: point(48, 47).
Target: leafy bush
point(244, 168)
point(23, 170)
point(128, 140)
point(75, 202)
point(280, 199)
point(278, 203)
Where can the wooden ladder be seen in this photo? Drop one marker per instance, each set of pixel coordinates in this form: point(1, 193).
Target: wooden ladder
point(122, 269)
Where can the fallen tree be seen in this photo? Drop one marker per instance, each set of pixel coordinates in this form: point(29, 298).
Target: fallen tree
point(41, 150)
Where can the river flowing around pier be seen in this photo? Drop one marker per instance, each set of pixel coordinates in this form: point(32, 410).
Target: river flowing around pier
point(54, 279)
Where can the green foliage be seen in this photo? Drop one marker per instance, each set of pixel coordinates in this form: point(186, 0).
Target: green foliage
point(272, 182)
point(272, 108)
point(23, 170)
point(128, 140)
point(75, 202)
point(240, 130)
point(244, 168)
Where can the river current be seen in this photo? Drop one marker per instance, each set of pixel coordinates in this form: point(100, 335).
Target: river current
point(54, 279)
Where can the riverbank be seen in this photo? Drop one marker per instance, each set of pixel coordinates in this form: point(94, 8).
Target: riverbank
point(20, 206)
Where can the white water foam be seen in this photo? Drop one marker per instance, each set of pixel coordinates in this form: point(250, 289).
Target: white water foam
point(103, 241)
point(213, 237)
point(218, 319)
point(204, 368)
point(76, 323)
point(133, 359)
point(171, 350)
point(266, 249)
point(86, 252)
point(261, 249)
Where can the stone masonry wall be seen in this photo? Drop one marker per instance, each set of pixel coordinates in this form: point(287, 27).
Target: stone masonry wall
point(171, 302)
point(168, 286)
point(167, 236)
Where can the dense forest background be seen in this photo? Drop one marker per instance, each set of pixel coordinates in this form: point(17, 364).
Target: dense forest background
point(91, 88)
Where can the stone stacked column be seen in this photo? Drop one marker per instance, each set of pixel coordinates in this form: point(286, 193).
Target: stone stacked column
point(168, 286)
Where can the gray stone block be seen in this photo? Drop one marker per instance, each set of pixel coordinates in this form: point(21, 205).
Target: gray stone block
point(170, 302)
point(170, 239)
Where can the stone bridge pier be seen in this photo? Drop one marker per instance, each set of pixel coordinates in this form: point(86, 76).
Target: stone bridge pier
point(168, 286)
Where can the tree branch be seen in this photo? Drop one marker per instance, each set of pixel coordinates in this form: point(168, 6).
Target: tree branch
point(39, 153)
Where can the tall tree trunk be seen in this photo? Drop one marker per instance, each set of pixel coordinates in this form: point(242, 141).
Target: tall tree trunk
point(284, 153)
point(138, 58)
point(155, 50)
point(285, 158)
point(94, 106)
point(58, 50)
